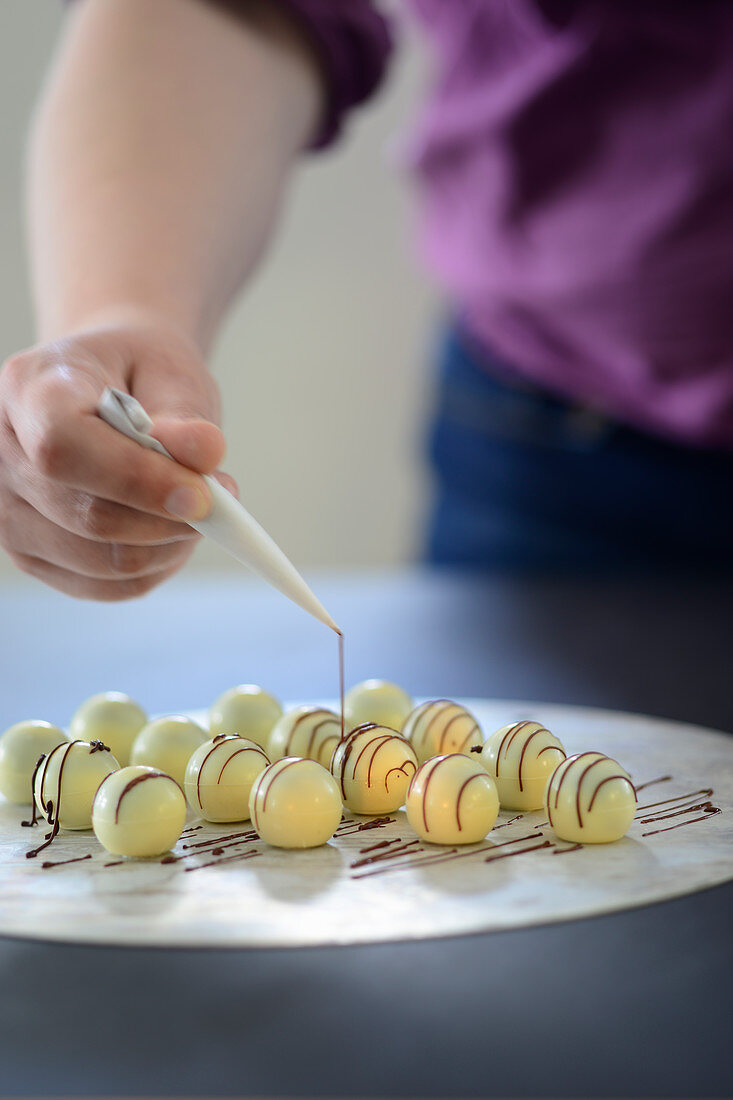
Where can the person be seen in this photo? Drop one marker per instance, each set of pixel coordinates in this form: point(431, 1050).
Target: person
point(575, 182)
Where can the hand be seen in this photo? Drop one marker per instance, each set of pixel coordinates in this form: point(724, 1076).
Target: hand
point(82, 507)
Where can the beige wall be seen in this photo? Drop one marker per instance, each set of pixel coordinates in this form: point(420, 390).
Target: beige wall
point(323, 363)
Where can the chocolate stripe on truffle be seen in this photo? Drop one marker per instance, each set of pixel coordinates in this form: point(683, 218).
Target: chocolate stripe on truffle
point(400, 769)
point(431, 773)
point(474, 729)
point(609, 779)
point(217, 741)
point(134, 783)
point(271, 777)
point(589, 768)
point(561, 774)
point(460, 796)
point(228, 761)
point(447, 704)
point(505, 743)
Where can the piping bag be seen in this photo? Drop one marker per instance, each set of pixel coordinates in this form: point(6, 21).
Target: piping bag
point(228, 524)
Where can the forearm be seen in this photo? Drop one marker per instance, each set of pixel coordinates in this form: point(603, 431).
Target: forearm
point(160, 151)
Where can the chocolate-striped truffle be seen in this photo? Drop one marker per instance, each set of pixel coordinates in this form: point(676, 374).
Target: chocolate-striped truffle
point(20, 747)
point(138, 811)
point(452, 800)
point(295, 803)
point(590, 799)
point(376, 701)
point(373, 766)
point(111, 717)
point(520, 758)
point(310, 732)
point(219, 777)
point(441, 726)
point(167, 744)
point(67, 779)
point(248, 710)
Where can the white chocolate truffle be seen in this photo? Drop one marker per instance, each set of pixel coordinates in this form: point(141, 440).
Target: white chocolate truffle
point(439, 727)
point(219, 777)
point(168, 744)
point(590, 799)
point(110, 717)
point(20, 748)
point(67, 780)
point(138, 811)
point(452, 800)
point(373, 766)
point(295, 804)
point(246, 710)
point(376, 701)
point(310, 732)
point(520, 758)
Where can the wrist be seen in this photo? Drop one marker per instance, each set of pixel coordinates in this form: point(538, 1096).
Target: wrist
point(165, 321)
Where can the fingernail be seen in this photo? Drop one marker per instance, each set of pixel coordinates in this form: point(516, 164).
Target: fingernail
point(188, 504)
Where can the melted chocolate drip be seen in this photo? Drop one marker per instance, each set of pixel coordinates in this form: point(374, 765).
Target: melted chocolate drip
point(62, 862)
point(227, 859)
point(35, 817)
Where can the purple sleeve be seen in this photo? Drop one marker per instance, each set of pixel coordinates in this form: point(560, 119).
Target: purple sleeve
point(352, 42)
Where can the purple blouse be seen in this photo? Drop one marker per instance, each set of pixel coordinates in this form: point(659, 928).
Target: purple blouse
point(575, 170)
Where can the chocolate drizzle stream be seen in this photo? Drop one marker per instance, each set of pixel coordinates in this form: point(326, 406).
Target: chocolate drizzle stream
point(341, 680)
point(52, 813)
point(35, 817)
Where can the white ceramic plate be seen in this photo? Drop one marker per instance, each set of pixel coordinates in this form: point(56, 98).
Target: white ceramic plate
point(275, 898)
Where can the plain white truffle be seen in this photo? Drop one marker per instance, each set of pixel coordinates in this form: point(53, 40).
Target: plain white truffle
point(168, 744)
point(295, 803)
point(20, 747)
point(376, 701)
point(111, 717)
point(247, 710)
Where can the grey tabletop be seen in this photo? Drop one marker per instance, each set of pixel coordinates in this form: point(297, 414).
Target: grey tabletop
point(634, 1004)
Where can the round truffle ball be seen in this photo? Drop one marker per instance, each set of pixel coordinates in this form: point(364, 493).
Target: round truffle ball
point(219, 777)
point(590, 799)
point(112, 718)
point(67, 781)
point(295, 803)
point(138, 811)
point(310, 732)
point(20, 747)
point(376, 701)
point(520, 758)
point(168, 744)
point(373, 766)
point(439, 727)
point(246, 710)
point(452, 800)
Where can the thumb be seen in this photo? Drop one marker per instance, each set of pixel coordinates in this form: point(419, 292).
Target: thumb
point(184, 407)
point(195, 443)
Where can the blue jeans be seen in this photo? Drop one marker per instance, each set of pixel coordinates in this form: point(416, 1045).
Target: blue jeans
point(526, 481)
